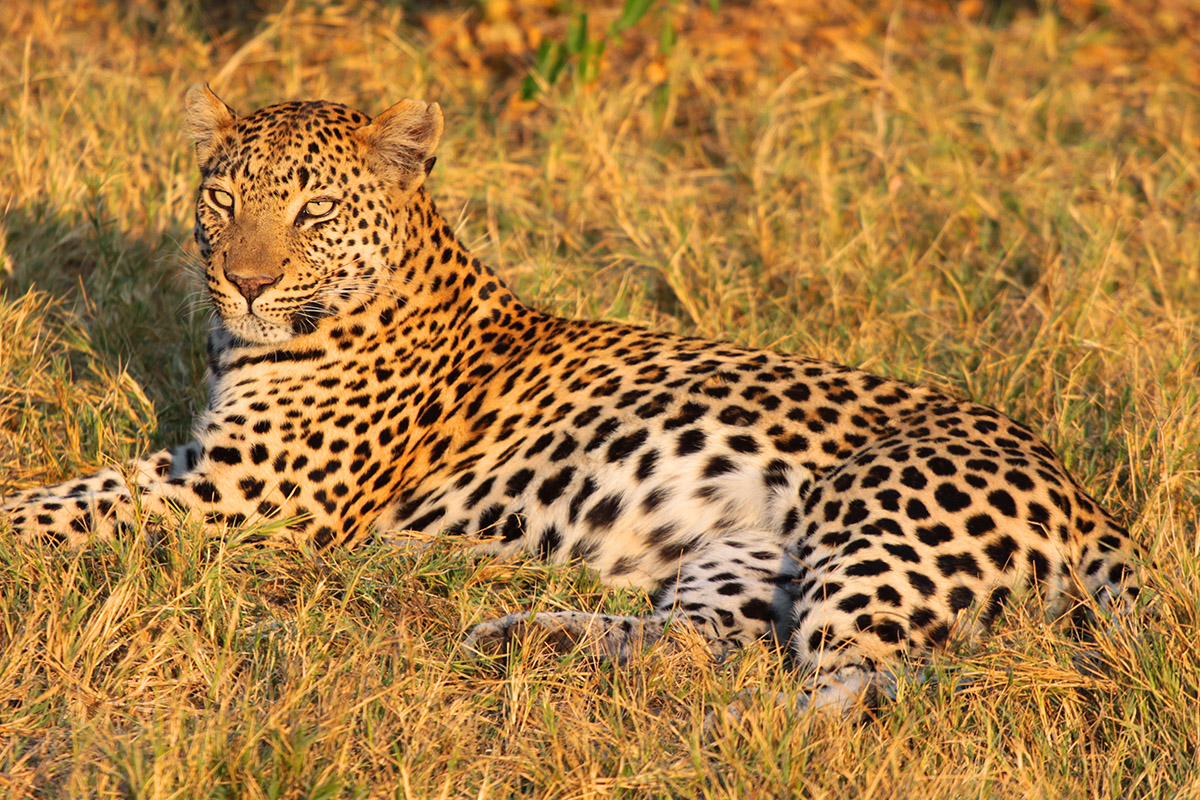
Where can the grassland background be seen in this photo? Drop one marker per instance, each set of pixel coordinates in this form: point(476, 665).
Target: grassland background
point(1000, 198)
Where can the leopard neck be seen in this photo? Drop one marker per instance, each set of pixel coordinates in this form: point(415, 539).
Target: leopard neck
point(445, 300)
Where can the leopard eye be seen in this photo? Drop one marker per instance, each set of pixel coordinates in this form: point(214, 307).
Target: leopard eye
point(221, 199)
point(318, 208)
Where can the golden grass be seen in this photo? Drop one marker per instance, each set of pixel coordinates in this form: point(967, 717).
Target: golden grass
point(1011, 209)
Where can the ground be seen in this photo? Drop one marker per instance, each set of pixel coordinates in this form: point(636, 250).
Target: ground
point(999, 202)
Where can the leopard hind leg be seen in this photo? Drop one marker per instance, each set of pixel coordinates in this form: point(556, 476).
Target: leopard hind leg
point(729, 592)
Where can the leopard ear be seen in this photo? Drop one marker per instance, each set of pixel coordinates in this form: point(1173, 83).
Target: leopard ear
point(401, 140)
point(206, 119)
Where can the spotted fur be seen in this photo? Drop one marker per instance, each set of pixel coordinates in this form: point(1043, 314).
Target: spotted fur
point(368, 375)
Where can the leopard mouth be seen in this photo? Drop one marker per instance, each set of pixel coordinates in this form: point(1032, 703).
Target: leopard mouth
point(272, 318)
point(255, 327)
point(252, 327)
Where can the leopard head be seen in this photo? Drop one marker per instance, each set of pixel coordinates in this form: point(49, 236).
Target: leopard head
point(303, 207)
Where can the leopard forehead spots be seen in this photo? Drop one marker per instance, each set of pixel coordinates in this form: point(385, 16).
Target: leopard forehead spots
point(369, 376)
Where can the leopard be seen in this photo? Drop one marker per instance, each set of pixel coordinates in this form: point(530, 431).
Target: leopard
point(368, 378)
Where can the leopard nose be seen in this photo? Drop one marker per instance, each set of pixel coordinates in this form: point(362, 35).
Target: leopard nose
point(251, 286)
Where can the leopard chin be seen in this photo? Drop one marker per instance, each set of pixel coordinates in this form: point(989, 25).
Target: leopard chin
point(256, 330)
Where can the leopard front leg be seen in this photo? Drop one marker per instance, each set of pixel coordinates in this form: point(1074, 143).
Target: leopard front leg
point(219, 480)
point(144, 471)
point(99, 506)
point(730, 593)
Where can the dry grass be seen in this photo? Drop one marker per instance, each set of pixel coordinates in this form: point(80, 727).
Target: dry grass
point(1010, 208)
